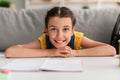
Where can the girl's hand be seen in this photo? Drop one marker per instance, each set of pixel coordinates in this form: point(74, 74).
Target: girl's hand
point(62, 52)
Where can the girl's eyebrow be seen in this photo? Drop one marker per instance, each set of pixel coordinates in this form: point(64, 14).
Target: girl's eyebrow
point(56, 26)
point(66, 26)
point(52, 26)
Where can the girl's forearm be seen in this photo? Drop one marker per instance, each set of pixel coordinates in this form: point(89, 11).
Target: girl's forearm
point(97, 51)
point(25, 52)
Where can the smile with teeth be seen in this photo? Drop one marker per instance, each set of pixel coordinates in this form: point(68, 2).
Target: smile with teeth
point(59, 41)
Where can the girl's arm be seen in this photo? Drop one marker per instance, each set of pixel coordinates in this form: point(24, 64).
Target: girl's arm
point(94, 48)
point(24, 50)
point(33, 50)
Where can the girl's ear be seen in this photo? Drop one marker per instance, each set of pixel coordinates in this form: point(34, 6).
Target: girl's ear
point(46, 31)
point(73, 29)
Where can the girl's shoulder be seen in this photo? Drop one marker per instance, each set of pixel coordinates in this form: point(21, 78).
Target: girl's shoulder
point(76, 33)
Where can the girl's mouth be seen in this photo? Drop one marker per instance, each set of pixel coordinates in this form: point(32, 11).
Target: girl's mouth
point(59, 41)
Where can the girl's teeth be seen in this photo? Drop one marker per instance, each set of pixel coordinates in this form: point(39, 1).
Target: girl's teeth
point(59, 41)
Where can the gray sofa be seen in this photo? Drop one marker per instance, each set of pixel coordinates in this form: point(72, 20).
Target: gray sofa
point(21, 26)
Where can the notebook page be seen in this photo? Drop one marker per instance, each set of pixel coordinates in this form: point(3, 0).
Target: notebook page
point(24, 65)
point(62, 64)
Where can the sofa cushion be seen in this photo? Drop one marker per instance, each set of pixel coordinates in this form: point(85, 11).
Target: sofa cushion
point(22, 26)
point(97, 24)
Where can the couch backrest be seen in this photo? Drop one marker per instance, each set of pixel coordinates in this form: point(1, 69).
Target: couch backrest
point(21, 26)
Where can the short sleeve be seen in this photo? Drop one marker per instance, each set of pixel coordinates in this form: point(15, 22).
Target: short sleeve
point(77, 40)
point(42, 40)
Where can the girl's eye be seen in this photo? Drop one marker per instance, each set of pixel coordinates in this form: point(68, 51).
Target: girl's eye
point(53, 29)
point(66, 29)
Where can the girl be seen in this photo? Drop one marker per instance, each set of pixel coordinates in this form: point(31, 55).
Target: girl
point(60, 40)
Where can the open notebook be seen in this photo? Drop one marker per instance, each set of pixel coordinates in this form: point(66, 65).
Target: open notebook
point(45, 64)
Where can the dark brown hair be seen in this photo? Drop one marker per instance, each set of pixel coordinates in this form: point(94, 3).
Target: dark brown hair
point(60, 12)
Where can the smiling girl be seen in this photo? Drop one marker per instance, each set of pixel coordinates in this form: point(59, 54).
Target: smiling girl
point(60, 40)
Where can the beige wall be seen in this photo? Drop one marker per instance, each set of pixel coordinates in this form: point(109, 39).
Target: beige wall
point(19, 3)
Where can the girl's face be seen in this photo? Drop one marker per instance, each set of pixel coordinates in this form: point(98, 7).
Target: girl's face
point(59, 31)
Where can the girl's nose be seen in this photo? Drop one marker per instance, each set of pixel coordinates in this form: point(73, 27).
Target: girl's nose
point(59, 34)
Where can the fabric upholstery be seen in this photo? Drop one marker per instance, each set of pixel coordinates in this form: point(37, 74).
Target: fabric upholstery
point(26, 25)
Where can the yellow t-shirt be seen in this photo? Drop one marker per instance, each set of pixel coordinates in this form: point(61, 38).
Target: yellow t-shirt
point(75, 42)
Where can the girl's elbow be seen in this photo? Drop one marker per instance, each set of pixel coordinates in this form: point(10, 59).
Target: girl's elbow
point(113, 51)
point(9, 52)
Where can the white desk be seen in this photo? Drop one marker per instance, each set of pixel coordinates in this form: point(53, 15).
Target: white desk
point(95, 68)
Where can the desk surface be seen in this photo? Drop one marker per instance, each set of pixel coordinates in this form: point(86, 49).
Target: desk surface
point(94, 68)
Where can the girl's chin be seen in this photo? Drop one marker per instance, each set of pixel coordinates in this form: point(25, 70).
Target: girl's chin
point(58, 47)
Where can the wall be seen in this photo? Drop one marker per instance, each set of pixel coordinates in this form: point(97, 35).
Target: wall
point(18, 3)
point(21, 4)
